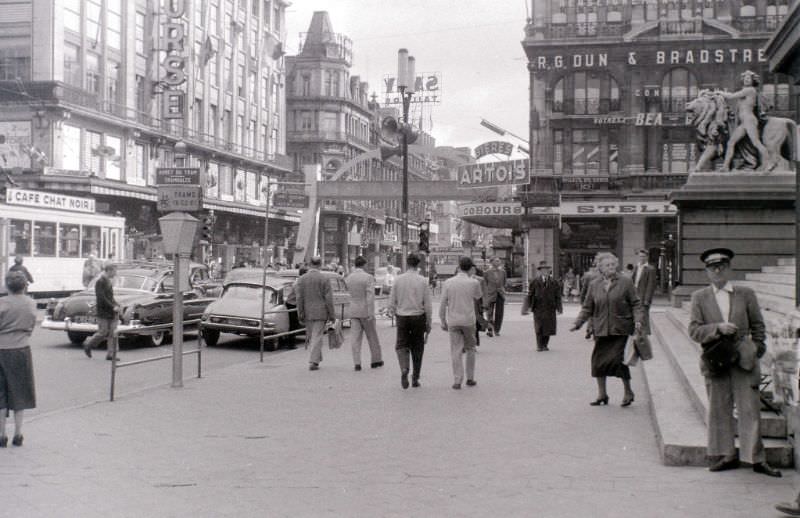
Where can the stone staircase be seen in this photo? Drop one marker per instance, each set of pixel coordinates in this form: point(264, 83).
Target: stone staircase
point(678, 396)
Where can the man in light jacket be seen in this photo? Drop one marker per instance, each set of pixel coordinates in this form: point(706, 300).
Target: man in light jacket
point(723, 309)
point(314, 308)
point(457, 315)
point(361, 311)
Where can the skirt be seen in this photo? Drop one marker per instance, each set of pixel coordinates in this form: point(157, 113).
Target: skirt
point(16, 379)
point(607, 356)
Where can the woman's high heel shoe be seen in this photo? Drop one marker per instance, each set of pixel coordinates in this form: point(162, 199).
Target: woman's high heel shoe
point(600, 401)
point(626, 401)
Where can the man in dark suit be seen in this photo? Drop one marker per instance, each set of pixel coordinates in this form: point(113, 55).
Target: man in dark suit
point(314, 308)
point(544, 298)
point(107, 310)
point(719, 310)
point(495, 295)
point(644, 279)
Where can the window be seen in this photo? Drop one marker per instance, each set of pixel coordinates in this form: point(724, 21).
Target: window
point(251, 87)
point(276, 18)
point(328, 122)
point(198, 116)
point(72, 15)
point(558, 97)
point(228, 136)
point(93, 73)
point(211, 66)
point(212, 180)
point(678, 150)
point(306, 123)
point(587, 93)
point(225, 180)
point(90, 242)
point(114, 24)
point(69, 238)
point(267, 14)
point(677, 88)
point(213, 116)
point(71, 148)
point(139, 33)
point(558, 151)
point(20, 239)
point(15, 63)
point(141, 95)
point(306, 85)
point(240, 129)
point(227, 65)
point(584, 93)
point(265, 92)
point(44, 239)
point(777, 94)
point(93, 22)
point(328, 83)
point(613, 153)
point(93, 142)
point(114, 161)
point(139, 173)
point(242, 79)
point(585, 152)
point(72, 65)
point(112, 81)
point(252, 187)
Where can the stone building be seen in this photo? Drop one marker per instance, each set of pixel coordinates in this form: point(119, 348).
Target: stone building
point(95, 95)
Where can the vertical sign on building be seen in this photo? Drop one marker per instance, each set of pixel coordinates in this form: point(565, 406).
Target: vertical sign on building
point(174, 63)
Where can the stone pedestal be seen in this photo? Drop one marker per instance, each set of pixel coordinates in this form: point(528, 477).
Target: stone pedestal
point(751, 213)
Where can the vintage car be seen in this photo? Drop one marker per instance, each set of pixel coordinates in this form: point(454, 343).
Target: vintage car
point(238, 308)
point(145, 294)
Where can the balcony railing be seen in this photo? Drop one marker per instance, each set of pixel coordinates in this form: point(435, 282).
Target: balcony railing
point(587, 106)
point(583, 30)
point(767, 23)
point(677, 27)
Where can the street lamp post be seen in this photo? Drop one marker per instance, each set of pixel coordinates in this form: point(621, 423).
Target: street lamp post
point(406, 81)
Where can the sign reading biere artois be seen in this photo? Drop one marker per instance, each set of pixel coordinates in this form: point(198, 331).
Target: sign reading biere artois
point(494, 174)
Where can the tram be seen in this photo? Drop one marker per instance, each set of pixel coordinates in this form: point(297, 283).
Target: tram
point(54, 234)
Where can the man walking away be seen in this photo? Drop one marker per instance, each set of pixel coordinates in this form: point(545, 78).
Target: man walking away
point(727, 319)
point(644, 280)
point(290, 301)
point(107, 310)
point(544, 297)
point(314, 308)
point(495, 294)
point(361, 286)
point(410, 302)
point(457, 315)
point(19, 267)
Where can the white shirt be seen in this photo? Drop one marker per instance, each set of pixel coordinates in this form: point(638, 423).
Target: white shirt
point(723, 296)
point(639, 270)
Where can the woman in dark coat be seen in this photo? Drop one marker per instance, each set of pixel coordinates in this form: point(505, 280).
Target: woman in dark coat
point(17, 319)
point(615, 312)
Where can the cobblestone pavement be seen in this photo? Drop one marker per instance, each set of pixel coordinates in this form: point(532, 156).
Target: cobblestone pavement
point(274, 439)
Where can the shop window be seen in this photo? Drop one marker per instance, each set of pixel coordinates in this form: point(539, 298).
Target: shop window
point(20, 237)
point(678, 87)
point(225, 180)
point(777, 95)
point(69, 237)
point(93, 143)
point(678, 150)
point(44, 239)
point(586, 152)
point(72, 65)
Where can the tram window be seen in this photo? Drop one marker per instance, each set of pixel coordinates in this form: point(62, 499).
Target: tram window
point(20, 240)
point(44, 239)
point(90, 242)
point(68, 240)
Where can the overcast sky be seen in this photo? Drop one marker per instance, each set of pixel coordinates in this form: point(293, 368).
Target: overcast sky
point(475, 45)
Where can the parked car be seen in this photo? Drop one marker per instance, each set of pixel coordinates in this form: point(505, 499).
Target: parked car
point(384, 279)
point(237, 310)
point(514, 284)
point(145, 294)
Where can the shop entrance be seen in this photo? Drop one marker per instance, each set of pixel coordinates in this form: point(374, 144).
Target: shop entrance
point(581, 239)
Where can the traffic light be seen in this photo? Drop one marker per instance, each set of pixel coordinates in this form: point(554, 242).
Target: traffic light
point(424, 237)
point(207, 229)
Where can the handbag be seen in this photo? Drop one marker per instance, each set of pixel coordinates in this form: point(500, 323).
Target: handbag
point(720, 354)
point(642, 344)
point(630, 356)
point(335, 335)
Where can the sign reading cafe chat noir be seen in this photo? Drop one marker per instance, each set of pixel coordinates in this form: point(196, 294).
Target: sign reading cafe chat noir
point(494, 174)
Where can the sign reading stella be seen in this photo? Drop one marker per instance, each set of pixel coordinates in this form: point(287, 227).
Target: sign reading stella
point(493, 174)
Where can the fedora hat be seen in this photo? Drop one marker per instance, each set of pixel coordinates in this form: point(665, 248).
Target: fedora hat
point(543, 265)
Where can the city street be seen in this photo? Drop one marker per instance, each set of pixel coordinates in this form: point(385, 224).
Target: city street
point(273, 439)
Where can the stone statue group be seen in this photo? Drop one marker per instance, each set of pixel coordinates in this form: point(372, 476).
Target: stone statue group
point(745, 137)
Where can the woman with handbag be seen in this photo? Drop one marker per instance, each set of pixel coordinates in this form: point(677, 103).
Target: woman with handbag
point(615, 312)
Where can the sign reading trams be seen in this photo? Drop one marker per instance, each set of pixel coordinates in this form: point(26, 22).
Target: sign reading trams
point(494, 174)
point(494, 147)
point(178, 189)
point(290, 200)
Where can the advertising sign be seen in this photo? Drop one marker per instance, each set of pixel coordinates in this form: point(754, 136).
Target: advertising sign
point(491, 209)
point(49, 200)
point(495, 147)
point(617, 208)
point(15, 137)
point(428, 89)
point(493, 174)
point(178, 189)
point(290, 200)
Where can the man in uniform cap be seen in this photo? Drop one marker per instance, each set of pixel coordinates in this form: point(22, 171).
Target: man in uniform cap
point(544, 298)
point(723, 309)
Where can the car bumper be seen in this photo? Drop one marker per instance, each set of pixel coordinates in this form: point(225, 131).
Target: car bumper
point(81, 327)
point(239, 329)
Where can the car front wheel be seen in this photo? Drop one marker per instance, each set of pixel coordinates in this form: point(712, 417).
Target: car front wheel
point(210, 337)
point(155, 340)
point(76, 338)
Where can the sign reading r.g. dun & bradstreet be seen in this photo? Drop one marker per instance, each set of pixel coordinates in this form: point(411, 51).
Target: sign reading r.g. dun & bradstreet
point(494, 174)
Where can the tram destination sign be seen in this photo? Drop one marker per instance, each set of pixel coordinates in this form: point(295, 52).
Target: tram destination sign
point(49, 200)
point(178, 189)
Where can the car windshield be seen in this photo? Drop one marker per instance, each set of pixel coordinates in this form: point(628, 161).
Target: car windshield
point(249, 291)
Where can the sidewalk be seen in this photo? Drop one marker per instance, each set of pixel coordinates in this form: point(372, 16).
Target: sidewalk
point(275, 439)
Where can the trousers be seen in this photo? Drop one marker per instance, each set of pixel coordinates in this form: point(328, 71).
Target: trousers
point(358, 328)
point(315, 331)
point(462, 343)
point(411, 343)
point(494, 312)
point(105, 331)
point(740, 387)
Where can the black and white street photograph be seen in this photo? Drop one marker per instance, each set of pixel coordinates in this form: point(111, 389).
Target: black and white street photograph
point(372, 259)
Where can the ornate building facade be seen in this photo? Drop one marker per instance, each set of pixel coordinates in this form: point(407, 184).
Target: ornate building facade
point(97, 93)
point(609, 84)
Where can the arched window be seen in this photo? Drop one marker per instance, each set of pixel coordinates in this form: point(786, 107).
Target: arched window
point(678, 87)
point(586, 93)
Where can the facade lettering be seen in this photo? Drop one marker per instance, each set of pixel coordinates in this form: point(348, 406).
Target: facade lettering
point(585, 60)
